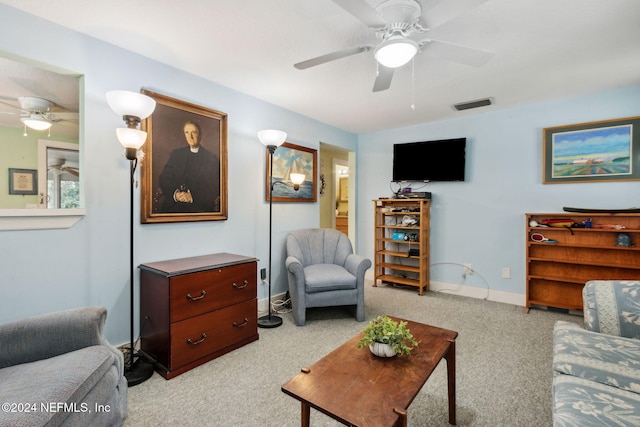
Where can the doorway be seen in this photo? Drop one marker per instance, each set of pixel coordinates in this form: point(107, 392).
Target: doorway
point(337, 187)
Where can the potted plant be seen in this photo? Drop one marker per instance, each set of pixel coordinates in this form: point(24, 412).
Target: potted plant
point(386, 337)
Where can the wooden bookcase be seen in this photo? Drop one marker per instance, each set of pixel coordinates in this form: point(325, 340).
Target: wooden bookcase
point(402, 251)
point(557, 272)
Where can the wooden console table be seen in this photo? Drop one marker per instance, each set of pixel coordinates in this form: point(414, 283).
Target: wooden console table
point(193, 310)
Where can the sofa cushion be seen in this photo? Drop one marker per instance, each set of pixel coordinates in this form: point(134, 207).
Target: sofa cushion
point(612, 307)
point(53, 382)
point(607, 359)
point(327, 277)
point(582, 403)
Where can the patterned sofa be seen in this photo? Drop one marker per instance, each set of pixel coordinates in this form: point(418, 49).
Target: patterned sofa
point(597, 369)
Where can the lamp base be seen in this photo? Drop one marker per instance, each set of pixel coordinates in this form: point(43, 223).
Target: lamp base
point(269, 321)
point(139, 372)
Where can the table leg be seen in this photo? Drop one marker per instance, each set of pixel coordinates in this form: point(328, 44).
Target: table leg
point(451, 380)
point(306, 412)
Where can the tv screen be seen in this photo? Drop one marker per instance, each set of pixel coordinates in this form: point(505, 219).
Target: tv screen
point(441, 160)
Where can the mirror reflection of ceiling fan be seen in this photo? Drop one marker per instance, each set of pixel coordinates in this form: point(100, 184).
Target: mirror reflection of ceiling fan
point(65, 167)
point(401, 26)
point(40, 114)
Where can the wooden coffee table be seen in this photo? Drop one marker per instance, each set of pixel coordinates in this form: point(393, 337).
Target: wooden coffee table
point(357, 388)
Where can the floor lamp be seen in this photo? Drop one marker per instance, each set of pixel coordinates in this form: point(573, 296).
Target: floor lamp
point(132, 107)
point(272, 139)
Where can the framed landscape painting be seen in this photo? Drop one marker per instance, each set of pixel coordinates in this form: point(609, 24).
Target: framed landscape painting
point(287, 159)
point(592, 152)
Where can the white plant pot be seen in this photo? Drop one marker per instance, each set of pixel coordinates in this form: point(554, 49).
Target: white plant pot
point(382, 350)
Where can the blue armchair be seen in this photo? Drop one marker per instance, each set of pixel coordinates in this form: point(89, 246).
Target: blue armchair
point(323, 271)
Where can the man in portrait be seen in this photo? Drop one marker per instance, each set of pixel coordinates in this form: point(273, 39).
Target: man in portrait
point(190, 180)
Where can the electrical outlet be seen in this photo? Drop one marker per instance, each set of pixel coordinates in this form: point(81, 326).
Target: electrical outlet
point(506, 273)
point(468, 269)
point(263, 273)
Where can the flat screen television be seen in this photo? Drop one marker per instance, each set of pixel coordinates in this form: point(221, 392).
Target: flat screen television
point(441, 160)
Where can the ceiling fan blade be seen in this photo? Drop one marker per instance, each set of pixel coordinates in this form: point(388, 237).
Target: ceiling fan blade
point(446, 10)
point(361, 10)
point(383, 80)
point(330, 57)
point(72, 171)
point(64, 116)
point(67, 123)
point(15, 107)
point(456, 53)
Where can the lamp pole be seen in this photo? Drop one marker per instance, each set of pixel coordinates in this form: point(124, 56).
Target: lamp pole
point(132, 107)
point(270, 321)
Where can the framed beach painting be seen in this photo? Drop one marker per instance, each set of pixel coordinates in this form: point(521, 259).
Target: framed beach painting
point(592, 152)
point(184, 171)
point(287, 159)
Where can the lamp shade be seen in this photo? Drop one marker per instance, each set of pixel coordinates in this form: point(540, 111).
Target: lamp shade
point(131, 138)
point(396, 51)
point(125, 103)
point(36, 123)
point(297, 178)
point(272, 137)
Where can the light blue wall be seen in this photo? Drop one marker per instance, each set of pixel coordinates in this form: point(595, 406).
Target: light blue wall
point(481, 221)
point(42, 271)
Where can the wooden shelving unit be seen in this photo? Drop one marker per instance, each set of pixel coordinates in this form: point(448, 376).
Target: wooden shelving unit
point(557, 272)
point(392, 260)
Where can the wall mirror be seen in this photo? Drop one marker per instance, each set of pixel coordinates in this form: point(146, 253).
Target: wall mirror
point(40, 109)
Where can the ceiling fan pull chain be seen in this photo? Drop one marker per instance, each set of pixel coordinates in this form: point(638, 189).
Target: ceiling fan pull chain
point(413, 83)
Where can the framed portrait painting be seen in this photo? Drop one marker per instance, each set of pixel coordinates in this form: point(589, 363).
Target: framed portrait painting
point(184, 171)
point(592, 152)
point(287, 159)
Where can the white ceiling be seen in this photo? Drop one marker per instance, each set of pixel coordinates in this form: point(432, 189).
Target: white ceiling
point(544, 49)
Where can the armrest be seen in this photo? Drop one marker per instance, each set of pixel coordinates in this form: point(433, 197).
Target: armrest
point(612, 307)
point(52, 334)
point(294, 266)
point(357, 265)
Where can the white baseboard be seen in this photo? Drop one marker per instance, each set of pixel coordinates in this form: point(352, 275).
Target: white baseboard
point(471, 291)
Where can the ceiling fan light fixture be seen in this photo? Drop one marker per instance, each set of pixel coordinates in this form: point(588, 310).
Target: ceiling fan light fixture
point(36, 123)
point(396, 51)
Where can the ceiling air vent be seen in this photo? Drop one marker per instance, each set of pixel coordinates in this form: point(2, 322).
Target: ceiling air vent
point(473, 104)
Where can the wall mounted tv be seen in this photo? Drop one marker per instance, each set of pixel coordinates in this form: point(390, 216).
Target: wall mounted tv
point(441, 160)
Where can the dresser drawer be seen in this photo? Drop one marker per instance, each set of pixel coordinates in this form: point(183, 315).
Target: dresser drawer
point(192, 339)
point(197, 293)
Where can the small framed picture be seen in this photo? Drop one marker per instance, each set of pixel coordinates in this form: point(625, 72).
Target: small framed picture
point(592, 152)
point(23, 181)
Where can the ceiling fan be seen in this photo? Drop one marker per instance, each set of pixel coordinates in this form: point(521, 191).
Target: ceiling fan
point(41, 114)
point(401, 27)
point(64, 166)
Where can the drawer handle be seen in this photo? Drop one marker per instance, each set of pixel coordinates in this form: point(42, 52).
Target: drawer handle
point(202, 294)
point(235, 324)
point(190, 341)
point(244, 285)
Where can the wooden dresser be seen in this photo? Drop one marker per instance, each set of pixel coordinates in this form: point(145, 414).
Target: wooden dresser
point(193, 310)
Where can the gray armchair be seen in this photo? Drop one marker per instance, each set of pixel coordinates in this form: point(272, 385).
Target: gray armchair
point(323, 271)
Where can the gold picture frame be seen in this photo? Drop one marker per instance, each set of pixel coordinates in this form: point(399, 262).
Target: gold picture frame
point(184, 170)
point(343, 195)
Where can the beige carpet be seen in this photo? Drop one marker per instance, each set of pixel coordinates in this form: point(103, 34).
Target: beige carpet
point(503, 368)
